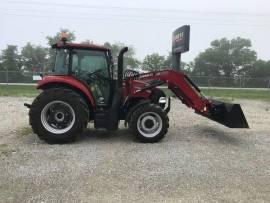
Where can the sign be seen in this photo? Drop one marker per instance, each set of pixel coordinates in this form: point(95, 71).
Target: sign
point(180, 40)
point(37, 77)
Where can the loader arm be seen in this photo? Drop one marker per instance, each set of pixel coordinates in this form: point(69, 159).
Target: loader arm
point(230, 115)
point(181, 86)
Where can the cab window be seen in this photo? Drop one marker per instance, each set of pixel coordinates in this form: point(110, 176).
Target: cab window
point(92, 67)
point(88, 61)
point(61, 62)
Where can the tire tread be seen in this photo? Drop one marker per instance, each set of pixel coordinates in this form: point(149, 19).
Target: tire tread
point(47, 95)
point(149, 107)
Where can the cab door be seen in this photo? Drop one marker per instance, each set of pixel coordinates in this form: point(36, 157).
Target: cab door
point(92, 67)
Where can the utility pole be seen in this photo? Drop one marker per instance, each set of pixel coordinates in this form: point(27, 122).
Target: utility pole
point(176, 61)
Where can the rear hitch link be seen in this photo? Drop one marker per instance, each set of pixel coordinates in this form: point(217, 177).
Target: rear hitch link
point(27, 105)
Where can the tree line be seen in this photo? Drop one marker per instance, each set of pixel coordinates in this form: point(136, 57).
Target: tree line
point(228, 59)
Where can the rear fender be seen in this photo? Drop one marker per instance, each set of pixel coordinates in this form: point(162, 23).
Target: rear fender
point(70, 82)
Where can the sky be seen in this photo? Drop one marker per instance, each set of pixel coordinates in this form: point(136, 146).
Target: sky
point(146, 25)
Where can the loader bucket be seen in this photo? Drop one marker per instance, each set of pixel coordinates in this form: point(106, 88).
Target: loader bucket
point(230, 115)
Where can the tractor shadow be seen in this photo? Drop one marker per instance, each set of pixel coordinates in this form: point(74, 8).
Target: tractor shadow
point(124, 135)
point(94, 135)
point(221, 136)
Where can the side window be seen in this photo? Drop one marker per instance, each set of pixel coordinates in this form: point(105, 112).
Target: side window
point(75, 63)
point(87, 61)
point(61, 62)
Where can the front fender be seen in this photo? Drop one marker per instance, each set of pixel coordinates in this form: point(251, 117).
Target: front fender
point(67, 81)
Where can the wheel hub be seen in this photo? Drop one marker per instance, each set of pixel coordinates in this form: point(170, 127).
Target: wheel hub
point(149, 124)
point(57, 117)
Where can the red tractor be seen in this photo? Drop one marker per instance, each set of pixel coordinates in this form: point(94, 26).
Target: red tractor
point(84, 88)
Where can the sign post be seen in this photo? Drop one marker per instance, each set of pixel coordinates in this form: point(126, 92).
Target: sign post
point(180, 44)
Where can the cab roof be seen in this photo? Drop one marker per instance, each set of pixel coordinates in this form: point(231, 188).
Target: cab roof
point(67, 45)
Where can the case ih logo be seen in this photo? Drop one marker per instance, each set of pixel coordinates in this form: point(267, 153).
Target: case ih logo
point(179, 37)
point(145, 75)
point(180, 40)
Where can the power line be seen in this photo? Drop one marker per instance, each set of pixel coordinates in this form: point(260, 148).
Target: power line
point(110, 15)
point(137, 9)
point(134, 20)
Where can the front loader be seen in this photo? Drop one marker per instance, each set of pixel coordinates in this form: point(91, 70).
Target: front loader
point(84, 88)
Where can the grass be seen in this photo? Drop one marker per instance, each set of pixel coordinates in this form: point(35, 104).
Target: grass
point(5, 150)
point(18, 90)
point(26, 131)
point(238, 94)
point(231, 94)
point(226, 94)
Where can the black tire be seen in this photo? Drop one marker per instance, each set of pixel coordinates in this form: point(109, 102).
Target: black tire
point(147, 110)
point(66, 96)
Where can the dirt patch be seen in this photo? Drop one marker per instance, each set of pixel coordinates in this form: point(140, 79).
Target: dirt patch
point(13, 117)
point(199, 160)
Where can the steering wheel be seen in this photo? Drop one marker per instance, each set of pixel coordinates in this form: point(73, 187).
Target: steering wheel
point(94, 73)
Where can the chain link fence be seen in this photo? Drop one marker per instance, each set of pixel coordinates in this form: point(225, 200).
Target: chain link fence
point(10, 77)
point(232, 82)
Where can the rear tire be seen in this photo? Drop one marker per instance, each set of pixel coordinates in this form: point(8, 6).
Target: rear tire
point(58, 115)
point(149, 123)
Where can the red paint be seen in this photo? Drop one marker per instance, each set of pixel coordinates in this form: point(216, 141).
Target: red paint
point(68, 80)
point(80, 46)
point(177, 83)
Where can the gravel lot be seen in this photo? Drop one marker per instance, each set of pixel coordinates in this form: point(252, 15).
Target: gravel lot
point(198, 161)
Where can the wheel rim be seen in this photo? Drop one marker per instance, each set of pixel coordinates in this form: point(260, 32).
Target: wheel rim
point(57, 117)
point(149, 124)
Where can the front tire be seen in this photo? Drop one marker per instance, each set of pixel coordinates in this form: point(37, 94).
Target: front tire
point(58, 115)
point(149, 123)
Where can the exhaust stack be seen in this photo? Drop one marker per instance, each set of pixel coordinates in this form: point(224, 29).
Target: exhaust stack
point(120, 65)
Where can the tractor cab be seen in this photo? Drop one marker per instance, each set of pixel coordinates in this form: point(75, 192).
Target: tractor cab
point(87, 70)
point(90, 64)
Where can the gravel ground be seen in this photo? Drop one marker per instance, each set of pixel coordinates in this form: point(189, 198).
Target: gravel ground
point(198, 161)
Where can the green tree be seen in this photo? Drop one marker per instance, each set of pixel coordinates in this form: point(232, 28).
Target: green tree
point(116, 47)
point(33, 57)
point(131, 62)
point(260, 69)
point(57, 37)
point(225, 58)
point(153, 62)
point(187, 67)
point(168, 60)
point(258, 75)
point(1, 63)
point(10, 58)
point(129, 59)
point(54, 39)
